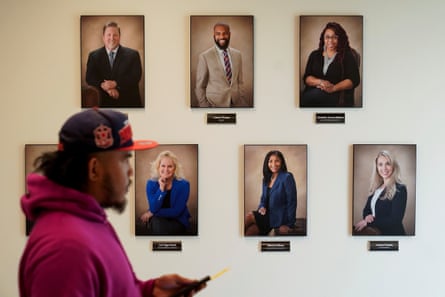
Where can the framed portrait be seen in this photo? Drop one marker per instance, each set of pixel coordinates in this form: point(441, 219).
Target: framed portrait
point(275, 190)
point(32, 152)
point(166, 190)
point(112, 61)
point(384, 189)
point(221, 61)
point(331, 61)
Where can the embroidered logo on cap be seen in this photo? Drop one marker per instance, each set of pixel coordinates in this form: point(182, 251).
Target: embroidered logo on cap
point(103, 137)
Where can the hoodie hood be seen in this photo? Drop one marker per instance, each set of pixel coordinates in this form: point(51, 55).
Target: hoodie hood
point(44, 195)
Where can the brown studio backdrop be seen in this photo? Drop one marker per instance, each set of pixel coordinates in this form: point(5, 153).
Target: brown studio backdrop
point(296, 161)
point(132, 36)
point(310, 30)
point(201, 38)
point(364, 156)
point(187, 156)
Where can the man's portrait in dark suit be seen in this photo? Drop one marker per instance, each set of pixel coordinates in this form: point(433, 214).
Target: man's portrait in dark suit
point(112, 59)
point(221, 61)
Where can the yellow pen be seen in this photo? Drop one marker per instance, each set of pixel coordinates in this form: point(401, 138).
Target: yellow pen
point(187, 289)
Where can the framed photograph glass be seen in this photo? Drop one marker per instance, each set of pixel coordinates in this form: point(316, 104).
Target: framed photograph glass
point(112, 61)
point(221, 61)
point(275, 190)
point(384, 189)
point(331, 59)
point(166, 190)
point(32, 152)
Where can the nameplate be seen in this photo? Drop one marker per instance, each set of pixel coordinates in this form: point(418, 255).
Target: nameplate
point(221, 118)
point(167, 246)
point(330, 118)
point(275, 246)
point(383, 245)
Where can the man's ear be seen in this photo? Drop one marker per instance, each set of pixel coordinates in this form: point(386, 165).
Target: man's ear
point(94, 169)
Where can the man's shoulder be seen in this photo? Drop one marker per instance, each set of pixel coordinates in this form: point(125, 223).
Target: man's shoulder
point(127, 50)
point(210, 50)
point(97, 51)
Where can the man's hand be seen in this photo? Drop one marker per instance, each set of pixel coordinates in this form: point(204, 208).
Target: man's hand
point(168, 285)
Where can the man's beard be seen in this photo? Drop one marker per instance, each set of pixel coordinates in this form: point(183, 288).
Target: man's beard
point(110, 193)
point(222, 47)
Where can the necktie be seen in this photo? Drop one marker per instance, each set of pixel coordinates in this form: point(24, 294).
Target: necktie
point(111, 58)
point(227, 67)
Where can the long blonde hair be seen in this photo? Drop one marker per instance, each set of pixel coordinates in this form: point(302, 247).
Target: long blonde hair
point(179, 173)
point(377, 180)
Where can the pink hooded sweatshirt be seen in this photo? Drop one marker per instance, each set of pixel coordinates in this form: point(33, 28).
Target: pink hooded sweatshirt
point(72, 250)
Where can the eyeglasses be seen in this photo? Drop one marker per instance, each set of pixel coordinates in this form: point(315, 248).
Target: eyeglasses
point(335, 37)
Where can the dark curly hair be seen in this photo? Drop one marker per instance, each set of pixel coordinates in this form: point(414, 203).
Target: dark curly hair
point(343, 40)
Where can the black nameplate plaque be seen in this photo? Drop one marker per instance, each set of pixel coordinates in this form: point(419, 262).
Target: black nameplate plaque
point(221, 118)
point(167, 246)
point(275, 246)
point(330, 118)
point(383, 245)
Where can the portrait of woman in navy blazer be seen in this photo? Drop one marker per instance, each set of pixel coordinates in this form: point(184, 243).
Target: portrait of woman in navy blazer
point(167, 194)
point(385, 207)
point(278, 203)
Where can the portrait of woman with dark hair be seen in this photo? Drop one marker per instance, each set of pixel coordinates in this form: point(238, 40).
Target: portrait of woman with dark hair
point(332, 70)
point(278, 203)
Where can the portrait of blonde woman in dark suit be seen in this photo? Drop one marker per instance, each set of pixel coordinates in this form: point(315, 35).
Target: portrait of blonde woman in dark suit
point(384, 189)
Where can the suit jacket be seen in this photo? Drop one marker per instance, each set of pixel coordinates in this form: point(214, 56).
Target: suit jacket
point(212, 87)
point(388, 213)
point(126, 71)
point(178, 200)
point(282, 202)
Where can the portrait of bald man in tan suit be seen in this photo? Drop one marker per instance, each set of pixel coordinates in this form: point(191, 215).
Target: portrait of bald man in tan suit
point(219, 77)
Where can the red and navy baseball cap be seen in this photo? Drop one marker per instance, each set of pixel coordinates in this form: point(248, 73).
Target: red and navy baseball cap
point(96, 130)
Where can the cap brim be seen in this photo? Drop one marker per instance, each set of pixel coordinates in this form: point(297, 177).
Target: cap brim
point(140, 145)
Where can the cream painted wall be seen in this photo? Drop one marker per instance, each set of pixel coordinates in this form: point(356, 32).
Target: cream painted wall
point(403, 101)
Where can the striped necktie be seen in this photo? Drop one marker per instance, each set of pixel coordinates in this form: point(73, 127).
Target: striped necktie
point(227, 67)
point(111, 59)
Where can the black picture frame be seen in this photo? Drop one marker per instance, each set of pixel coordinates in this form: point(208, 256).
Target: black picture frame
point(295, 156)
point(311, 27)
point(187, 155)
point(242, 39)
point(132, 36)
point(364, 158)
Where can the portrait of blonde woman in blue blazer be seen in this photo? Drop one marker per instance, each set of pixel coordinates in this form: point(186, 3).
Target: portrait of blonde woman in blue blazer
point(278, 204)
point(167, 194)
point(386, 204)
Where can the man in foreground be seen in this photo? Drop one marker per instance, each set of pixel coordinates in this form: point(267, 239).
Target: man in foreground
point(73, 250)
